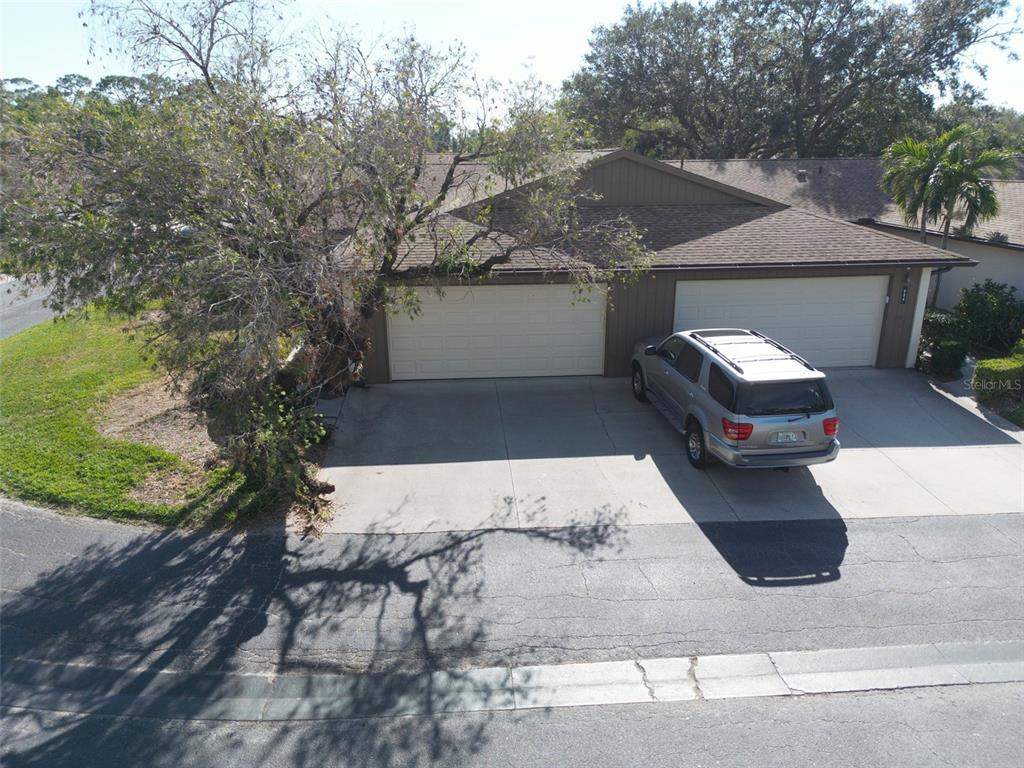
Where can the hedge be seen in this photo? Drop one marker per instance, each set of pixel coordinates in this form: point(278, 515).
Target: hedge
point(1000, 377)
point(947, 358)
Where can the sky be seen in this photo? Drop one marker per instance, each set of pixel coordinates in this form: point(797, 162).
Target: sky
point(44, 39)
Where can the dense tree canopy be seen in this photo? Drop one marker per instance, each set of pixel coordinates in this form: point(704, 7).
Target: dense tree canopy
point(263, 199)
point(762, 78)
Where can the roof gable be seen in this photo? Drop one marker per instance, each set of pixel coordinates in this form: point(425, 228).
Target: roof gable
point(626, 178)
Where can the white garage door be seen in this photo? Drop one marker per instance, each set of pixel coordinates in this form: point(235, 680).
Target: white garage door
point(828, 320)
point(512, 330)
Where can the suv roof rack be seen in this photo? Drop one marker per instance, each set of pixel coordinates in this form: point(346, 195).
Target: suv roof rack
point(787, 350)
point(717, 351)
point(790, 353)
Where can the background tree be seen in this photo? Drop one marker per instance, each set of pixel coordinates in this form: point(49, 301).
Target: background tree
point(997, 127)
point(761, 78)
point(265, 203)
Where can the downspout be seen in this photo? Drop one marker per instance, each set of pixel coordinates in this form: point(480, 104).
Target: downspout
point(938, 282)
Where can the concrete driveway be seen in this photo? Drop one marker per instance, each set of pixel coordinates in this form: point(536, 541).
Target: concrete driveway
point(462, 455)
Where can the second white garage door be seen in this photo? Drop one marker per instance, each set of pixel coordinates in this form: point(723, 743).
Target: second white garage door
point(512, 330)
point(831, 321)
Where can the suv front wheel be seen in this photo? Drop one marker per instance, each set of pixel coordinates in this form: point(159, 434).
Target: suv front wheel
point(696, 450)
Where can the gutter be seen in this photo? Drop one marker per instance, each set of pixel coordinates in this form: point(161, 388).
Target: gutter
point(943, 264)
point(932, 233)
point(958, 262)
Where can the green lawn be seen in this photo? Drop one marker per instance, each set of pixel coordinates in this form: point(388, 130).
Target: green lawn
point(54, 379)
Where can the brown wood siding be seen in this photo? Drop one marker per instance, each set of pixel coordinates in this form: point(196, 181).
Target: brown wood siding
point(625, 182)
point(898, 321)
point(646, 308)
point(639, 309)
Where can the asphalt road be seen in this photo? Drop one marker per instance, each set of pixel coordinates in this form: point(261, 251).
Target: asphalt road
point(17, 311)
point(90, 593)
point(85, 591)
point(957, 726)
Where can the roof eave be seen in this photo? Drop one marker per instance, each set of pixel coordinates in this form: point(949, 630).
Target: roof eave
point(846, 263)
point(710, 266)
point(979, 240)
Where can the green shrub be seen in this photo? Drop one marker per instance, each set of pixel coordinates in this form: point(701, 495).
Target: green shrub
point(939, 325)
point(991, 317)
point(947, 357)
point(999, 377)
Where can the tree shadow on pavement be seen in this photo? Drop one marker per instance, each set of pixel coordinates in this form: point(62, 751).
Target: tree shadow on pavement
point(204, 604)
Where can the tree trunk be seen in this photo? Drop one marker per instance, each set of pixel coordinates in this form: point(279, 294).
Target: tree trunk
point(341, 353)
point(924, 227)
point(945, 230)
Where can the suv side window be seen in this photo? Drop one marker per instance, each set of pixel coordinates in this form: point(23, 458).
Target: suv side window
point(670, 349)
point(720, 387)
point(689, 362)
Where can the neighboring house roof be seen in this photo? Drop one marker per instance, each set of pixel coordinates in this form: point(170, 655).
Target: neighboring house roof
point(850, 188)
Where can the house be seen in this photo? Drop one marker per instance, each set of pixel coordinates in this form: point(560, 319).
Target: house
point(850, 188)
point(838, 293)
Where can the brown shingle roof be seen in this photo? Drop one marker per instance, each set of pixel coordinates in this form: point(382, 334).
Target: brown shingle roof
point(701, 236)
point(683, 236)
point(849, 188)
point(447, 233)
point(474, 181)
point(686, 236)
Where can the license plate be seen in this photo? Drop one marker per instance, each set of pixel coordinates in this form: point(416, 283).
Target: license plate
point(789, 437)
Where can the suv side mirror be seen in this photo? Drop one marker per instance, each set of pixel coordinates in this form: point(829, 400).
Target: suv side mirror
point(650, 350)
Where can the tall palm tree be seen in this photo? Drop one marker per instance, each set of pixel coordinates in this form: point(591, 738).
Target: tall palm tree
point(962, 184)
point(909, 170)
point(944, 178)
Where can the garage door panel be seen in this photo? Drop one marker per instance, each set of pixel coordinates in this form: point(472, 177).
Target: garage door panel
point(498, 331)
point(832, 321)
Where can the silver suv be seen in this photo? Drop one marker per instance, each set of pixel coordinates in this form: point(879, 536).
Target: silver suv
point(739, 397)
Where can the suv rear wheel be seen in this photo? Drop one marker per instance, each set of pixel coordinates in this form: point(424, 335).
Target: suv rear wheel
point(696, 450)
point(639, 389)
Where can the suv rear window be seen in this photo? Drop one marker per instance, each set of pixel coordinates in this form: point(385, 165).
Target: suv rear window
point(720, 387)
point(771, 397)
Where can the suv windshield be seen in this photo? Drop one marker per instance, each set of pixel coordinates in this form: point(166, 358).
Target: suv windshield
point(764, 398)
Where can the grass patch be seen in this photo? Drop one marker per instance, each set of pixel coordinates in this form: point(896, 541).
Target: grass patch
point(54, 380)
